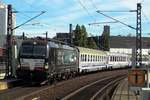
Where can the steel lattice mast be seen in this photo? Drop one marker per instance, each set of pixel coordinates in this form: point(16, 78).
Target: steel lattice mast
point(138, 37)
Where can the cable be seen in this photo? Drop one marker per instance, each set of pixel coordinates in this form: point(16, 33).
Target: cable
point(146, 18)
point(29, 20)
point(79, 1)
point(115, 20)
point(94, 5)
point(28, 4)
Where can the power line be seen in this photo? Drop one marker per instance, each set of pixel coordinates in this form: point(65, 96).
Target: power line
point(29, 20)
point(102, 23)
point(144, 15)
point(118, 11)
point(94, 5)
point(115, 19)
point(79, 1)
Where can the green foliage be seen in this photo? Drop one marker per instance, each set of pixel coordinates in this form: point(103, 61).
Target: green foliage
point(92, 44)
point(105, 37)
point(81, 38)
point(77, 33)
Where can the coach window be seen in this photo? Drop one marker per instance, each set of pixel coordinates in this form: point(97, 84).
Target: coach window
point(93, 58)
point(99, 58)
point(111, 58)
point(114, 58)
point(96, 57)
point(85, 57)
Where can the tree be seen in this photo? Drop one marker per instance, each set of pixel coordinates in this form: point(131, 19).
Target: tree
point(83, 36)
point(92, 43)
point(77, 33)
point(80, 36)
point(105, 37)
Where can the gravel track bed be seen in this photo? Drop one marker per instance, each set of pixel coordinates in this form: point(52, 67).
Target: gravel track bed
point(61, 89)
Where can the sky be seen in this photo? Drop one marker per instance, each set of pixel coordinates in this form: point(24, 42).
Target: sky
point(60, 13)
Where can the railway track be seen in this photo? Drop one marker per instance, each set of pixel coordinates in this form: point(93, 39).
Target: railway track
point(58, 90)
point(95, 90)
point(17, 92)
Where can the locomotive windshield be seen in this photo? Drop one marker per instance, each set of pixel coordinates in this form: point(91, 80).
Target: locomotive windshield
point(33, 51)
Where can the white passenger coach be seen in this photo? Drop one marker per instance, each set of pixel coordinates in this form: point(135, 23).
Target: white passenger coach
point(93, 60)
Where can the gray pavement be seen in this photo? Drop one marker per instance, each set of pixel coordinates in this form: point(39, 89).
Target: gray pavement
point(122, 92)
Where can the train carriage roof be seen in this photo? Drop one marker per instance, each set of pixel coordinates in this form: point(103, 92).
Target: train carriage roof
point(59, 45)
point(89, 51)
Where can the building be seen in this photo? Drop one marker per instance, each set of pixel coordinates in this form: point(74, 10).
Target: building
point(3, 24)
point(3, 39)
point(64, 37)
point(122, 44)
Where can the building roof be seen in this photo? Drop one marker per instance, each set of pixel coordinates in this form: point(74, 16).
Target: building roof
point(127, 42)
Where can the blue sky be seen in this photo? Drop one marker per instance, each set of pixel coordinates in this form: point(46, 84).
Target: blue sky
point(60, 13)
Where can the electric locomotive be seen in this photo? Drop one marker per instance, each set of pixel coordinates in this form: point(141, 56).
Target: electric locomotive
point(45, 60)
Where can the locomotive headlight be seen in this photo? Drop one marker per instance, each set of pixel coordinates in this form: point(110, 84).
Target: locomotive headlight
point(18, 66)
point(46, 66)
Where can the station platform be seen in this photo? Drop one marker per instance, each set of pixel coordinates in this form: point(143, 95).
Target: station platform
point(5, 84)
point(122, 92)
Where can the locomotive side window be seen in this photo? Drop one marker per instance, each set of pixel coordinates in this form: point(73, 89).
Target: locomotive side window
point(59, 57)
point(69, 57)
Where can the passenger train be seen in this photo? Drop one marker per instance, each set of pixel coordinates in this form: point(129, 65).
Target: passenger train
point(41, 60)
